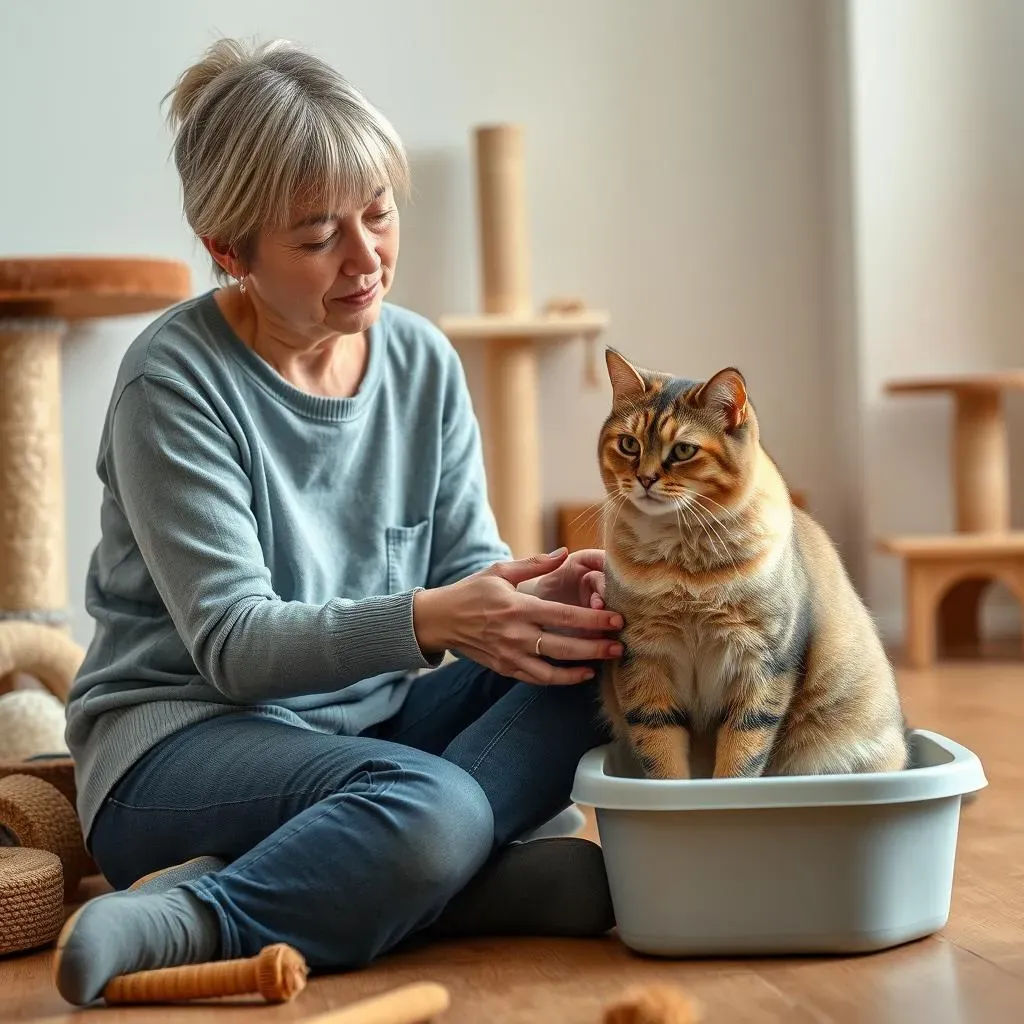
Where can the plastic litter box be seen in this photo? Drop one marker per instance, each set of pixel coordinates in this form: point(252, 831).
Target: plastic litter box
point(792, 865)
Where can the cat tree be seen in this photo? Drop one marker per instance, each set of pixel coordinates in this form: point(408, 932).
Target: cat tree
point(39, 298)
point(512, 332)
point(945, 576)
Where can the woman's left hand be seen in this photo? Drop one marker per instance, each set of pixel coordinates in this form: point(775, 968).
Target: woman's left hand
point(579, 580)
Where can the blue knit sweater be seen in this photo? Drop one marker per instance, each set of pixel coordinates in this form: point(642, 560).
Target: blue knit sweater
point(260, 545)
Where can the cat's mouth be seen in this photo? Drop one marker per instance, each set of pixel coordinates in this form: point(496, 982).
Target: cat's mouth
point(652, 504)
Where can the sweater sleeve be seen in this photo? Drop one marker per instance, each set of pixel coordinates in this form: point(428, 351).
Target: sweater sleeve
point(179, 476)
point(466, 537)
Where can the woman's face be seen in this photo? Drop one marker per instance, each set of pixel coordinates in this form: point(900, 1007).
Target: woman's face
point(327, 271)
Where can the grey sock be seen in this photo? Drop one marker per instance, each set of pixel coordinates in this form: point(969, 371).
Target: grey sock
point(544, 887)
point(123, 932)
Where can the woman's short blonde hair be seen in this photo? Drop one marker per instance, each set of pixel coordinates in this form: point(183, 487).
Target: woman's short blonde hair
point(261, 126)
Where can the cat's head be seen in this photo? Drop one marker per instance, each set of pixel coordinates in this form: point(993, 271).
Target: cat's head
point(668, 440)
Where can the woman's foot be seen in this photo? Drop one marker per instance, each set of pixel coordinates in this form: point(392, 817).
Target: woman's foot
point(154, 924)
point(542, 887)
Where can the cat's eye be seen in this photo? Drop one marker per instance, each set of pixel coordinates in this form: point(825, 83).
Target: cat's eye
point(629, 445)
point(683, 452)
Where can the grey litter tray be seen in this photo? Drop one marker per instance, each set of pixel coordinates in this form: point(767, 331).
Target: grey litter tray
point(792, 865)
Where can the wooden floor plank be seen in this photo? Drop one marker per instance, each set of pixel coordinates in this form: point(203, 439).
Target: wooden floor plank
point(932, 981)
point(972, 973)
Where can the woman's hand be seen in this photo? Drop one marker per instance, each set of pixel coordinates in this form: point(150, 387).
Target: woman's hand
point(578, 580)
point(486, 618)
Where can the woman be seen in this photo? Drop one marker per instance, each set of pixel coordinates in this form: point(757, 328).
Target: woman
point(294, 532)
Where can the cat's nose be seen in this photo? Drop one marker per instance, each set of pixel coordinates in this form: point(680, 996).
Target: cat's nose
point(646, 481)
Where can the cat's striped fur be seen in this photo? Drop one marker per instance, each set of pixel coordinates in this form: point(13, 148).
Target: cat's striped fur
point(747, 649)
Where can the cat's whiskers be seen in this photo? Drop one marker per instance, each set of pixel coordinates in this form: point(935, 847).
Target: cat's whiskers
point(686, 504)
point(679, 522)
point(692, 497)
point(733, 512)
point(704, 519)
point(593, 514)
point(621, 505)
point(589, 510)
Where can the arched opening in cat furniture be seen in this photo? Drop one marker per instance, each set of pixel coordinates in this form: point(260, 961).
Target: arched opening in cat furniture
point(38, 653)
point(976, 615)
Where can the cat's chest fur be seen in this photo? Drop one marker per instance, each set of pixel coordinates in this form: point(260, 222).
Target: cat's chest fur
point(710, 638)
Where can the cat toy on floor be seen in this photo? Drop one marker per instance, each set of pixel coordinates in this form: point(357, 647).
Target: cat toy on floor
point(652, 1004)
point(279, 973)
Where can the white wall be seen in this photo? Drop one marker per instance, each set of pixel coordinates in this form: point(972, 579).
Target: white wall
point(938, 223)
point(676, 177)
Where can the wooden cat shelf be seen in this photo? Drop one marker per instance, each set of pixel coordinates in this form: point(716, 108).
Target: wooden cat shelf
point(39, 297)
point(946, 576)
point(512, 331)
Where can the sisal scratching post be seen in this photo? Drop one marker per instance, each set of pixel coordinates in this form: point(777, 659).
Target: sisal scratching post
point(33, 580)
point(39, 298)
point(511, 331)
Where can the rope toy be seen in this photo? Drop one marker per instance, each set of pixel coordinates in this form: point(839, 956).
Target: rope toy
point(278, 974)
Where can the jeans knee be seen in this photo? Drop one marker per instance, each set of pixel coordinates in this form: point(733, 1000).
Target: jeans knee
point(448, 832)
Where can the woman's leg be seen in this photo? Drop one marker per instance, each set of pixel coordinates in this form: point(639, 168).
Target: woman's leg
point(340, 846)
point(520, 742)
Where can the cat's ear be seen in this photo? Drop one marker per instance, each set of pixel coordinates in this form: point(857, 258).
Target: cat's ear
point(626, 380)
point(725, 394)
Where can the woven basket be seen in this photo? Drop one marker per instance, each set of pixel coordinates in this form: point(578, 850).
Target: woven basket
point(38, 816)
point(57, 769)
point(31, 898)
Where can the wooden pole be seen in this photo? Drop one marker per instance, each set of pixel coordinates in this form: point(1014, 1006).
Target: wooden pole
point(514, 454)
point(981, 471)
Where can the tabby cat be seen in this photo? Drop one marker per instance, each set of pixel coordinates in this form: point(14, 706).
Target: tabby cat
point(747, 650)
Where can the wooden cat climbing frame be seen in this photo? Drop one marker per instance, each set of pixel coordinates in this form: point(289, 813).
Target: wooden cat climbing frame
point(38, 299)
point(946, 576)
point(512, 332)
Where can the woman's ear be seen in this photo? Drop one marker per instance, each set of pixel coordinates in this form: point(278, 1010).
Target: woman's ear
point(225, 256)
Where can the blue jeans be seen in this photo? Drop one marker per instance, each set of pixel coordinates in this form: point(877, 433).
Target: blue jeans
point(343, 846)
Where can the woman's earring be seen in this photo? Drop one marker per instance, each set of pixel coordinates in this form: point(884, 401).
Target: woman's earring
point(241, 285)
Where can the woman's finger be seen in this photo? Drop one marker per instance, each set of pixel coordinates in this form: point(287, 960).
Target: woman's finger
point(538, 671)
point(570, 648)
point(592, 583)
point(589, 558)
point(555, 615)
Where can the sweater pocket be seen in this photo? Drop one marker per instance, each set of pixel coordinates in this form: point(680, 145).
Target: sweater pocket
point(408, 549)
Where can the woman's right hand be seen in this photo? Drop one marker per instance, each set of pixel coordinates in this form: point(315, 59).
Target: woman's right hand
point(485, 618)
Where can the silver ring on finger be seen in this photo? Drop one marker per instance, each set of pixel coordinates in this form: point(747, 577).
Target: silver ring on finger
point(536, 646)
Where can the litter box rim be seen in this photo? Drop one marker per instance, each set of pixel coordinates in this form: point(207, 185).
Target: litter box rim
point(942, 768)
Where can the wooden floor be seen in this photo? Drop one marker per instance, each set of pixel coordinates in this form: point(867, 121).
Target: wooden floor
point(971, 973)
